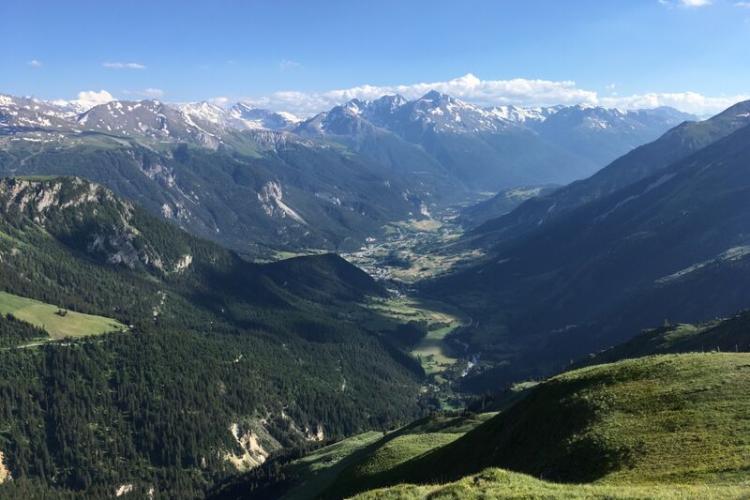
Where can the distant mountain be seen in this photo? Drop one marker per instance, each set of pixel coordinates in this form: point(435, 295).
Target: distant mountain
point(250, 117)
point(638, 164)
point(601, 135)
point(672, 245)
point(223, 362)
point(495, 148)
point(257, 180)
point(152, 120)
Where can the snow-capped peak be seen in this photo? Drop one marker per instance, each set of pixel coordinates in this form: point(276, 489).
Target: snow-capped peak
point(204, 111)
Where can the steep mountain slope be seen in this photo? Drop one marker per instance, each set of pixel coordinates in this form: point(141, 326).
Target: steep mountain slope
point(670, 246)
point(500, 204)
point(602, 135)
point(642, 162)
point(279, 192)
point(223, 362)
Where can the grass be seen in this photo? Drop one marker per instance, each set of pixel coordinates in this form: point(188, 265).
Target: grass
point(45, 316)
point(677, 424)
point(499, 483)
point(431, 351)
point(319, 469)
point(329, 470)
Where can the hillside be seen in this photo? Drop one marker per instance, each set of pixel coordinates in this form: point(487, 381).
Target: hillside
point(642, 162)
point(671, 246)
point(224, 362)
point(725, 335)
point(331, 470)
point(499, 483)
point(268, 191)
point(668, 426)
point(674, 423)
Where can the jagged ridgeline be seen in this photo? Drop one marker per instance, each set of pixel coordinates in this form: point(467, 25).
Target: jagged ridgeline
point(214, 363)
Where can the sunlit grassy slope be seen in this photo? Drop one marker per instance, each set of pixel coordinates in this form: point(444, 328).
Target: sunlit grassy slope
point(360, 460)
point(499, 483)
point(674, 425)
point(58, 326)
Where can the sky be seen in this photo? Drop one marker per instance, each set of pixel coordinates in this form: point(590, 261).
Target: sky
point(305, 56)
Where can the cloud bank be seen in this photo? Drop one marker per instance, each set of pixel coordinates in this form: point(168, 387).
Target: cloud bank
point(517, 91)
point(123, 65)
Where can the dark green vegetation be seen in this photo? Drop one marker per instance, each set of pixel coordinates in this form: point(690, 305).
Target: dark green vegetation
point(224, 363)
point(670, 246)
point(14, 332)
point(664, 426)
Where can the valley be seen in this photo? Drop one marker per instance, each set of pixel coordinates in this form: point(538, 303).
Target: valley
point(297, 251)
point(414, 250)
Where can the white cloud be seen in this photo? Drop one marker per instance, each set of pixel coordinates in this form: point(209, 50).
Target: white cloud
point(90, 98)
point(123, 65)
point(468, 87)
point(743, 5)
point(518, 91)
point(288, 64)
point(34, 63)
point(690, 102)
point(686, 3)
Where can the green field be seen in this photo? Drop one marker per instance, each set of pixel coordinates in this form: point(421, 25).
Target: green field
point(45, 316)
point(431, 351)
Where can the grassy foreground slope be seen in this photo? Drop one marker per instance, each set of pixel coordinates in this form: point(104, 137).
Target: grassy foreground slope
point(500, 483)
point(663, 421)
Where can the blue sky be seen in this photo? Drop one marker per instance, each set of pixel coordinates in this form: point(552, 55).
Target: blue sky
point(689, 53)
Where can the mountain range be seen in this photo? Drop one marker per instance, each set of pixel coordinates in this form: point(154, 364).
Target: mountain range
point(259, 181)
